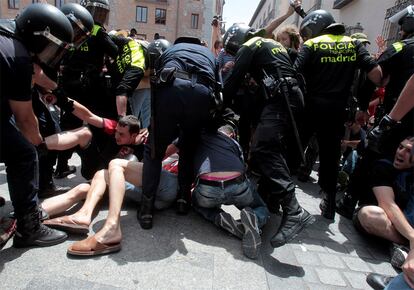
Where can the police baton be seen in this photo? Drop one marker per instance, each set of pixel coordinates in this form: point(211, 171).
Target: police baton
point(284, 89)
point(298, 9)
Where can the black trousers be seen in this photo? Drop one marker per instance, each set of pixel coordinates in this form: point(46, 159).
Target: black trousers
point(22, 167)
point(269, 147)
point(180, 110)
point(327, 123)
point(47, 127)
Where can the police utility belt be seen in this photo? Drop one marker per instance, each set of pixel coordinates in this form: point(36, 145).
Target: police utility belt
point(223, 183)
point(273, 86)
point(168, 75)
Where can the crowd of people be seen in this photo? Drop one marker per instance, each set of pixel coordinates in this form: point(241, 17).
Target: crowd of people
point(179, 124)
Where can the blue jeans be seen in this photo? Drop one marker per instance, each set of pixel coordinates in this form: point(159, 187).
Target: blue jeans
point(140, 103)
point(207, 200)
point(398, 283)
point(166, 192)
point(350, 162)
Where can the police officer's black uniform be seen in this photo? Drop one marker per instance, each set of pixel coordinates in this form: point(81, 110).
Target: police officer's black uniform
point(187, 74)
point(328, 63)
point(259, 56)
point(397, 62)
point(23, 40)
point(82, 78)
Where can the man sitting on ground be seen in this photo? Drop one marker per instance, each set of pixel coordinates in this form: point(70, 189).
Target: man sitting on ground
point(387, 206)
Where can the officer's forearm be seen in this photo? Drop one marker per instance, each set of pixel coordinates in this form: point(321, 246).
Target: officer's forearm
point(405, 101)
point(29, 127)
point(121, 105)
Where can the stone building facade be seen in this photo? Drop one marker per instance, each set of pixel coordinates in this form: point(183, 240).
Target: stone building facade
point(169, 18)
point(358, 16)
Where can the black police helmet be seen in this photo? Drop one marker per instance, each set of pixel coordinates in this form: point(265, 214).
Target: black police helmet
point(155, 49)
point(81, 20)
point(99, 10)
point(407, 21)
point(314, 23)
point(45, 31)
point(235, 36)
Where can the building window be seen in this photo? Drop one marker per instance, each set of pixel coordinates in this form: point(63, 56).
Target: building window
point(194, 21)
point(59, 3)
point(14, 4)
point(160, 16)
point(141, 36)
point(142, 14)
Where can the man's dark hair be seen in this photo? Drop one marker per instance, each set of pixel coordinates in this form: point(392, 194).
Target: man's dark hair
point(132, 122)
point(133, 32)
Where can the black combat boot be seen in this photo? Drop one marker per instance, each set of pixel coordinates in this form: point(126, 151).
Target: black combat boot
point(294, 219)
point(31, 232)
point(144, 214)
point(346, 206)
point(327, 205)
point(183, 203)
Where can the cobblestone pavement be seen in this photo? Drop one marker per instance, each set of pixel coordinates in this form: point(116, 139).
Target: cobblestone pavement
point(189, 253)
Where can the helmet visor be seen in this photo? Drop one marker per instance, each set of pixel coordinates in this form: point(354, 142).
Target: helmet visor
point(99, 14)
point(306, 33)
point(80, 32)
point(54, 51)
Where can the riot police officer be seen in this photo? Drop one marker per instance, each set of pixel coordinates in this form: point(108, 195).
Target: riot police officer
point(269, 65)
point(181, 101)
point(82, 25)
point(83, 79)
point(126, 70)
point(41, 34)
point(328, 60)
point(396, 62)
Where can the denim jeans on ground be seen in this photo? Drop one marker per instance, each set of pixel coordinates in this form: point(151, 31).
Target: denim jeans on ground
point(398, 283)
point(166, 192)
point(207, 200)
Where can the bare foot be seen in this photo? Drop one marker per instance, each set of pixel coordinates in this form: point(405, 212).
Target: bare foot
point(109, 234)
point(81, 218)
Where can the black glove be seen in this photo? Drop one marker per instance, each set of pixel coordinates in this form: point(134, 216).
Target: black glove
point(378, 135)
point(63, 101)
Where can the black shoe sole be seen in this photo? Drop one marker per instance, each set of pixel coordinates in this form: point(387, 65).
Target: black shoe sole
point(308, 221)
point(19, 243)
point(251, 240)
point(146, 222)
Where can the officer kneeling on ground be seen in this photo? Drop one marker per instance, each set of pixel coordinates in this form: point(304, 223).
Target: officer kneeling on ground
point(269, 64)
point(40, 34)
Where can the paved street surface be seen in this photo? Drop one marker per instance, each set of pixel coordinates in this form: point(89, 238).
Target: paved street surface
point(190, 253)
